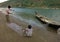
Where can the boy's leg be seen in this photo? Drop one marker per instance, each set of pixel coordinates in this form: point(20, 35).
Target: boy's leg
point(7, 18)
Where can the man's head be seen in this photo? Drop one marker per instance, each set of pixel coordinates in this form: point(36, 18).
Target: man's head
point(9, 6)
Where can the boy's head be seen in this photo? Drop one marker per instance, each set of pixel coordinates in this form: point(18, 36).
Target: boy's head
point(29, 26)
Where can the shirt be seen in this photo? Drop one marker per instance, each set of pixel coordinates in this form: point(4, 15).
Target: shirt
point(7, 11)
point(29, 32)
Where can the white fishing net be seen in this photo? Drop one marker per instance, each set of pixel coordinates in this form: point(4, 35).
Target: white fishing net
point(15, 27)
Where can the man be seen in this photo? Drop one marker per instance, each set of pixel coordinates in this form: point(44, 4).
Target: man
point(8, 11)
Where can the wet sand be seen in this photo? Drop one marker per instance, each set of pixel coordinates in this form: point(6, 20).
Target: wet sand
point(39, 35)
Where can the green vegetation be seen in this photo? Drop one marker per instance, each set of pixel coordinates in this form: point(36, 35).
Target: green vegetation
point(32, 3)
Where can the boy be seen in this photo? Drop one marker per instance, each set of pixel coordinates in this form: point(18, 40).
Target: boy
point(28, 31)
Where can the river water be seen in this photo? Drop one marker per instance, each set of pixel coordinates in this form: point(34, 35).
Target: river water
point(28, 15)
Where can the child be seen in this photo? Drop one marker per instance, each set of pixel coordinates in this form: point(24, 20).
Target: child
point(28, 31)
point(8, 11)
point(58, 31)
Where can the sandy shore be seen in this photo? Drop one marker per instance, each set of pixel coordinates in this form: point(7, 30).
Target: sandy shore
point(8, 35)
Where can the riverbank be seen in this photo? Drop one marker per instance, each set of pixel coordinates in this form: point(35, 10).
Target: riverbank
point(8, 35)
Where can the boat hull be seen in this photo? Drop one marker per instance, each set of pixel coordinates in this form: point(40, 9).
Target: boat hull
point(54, 26)
point(49, 24)
point(41, 20)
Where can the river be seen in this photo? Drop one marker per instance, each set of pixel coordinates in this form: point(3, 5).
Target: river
point(28, 15)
